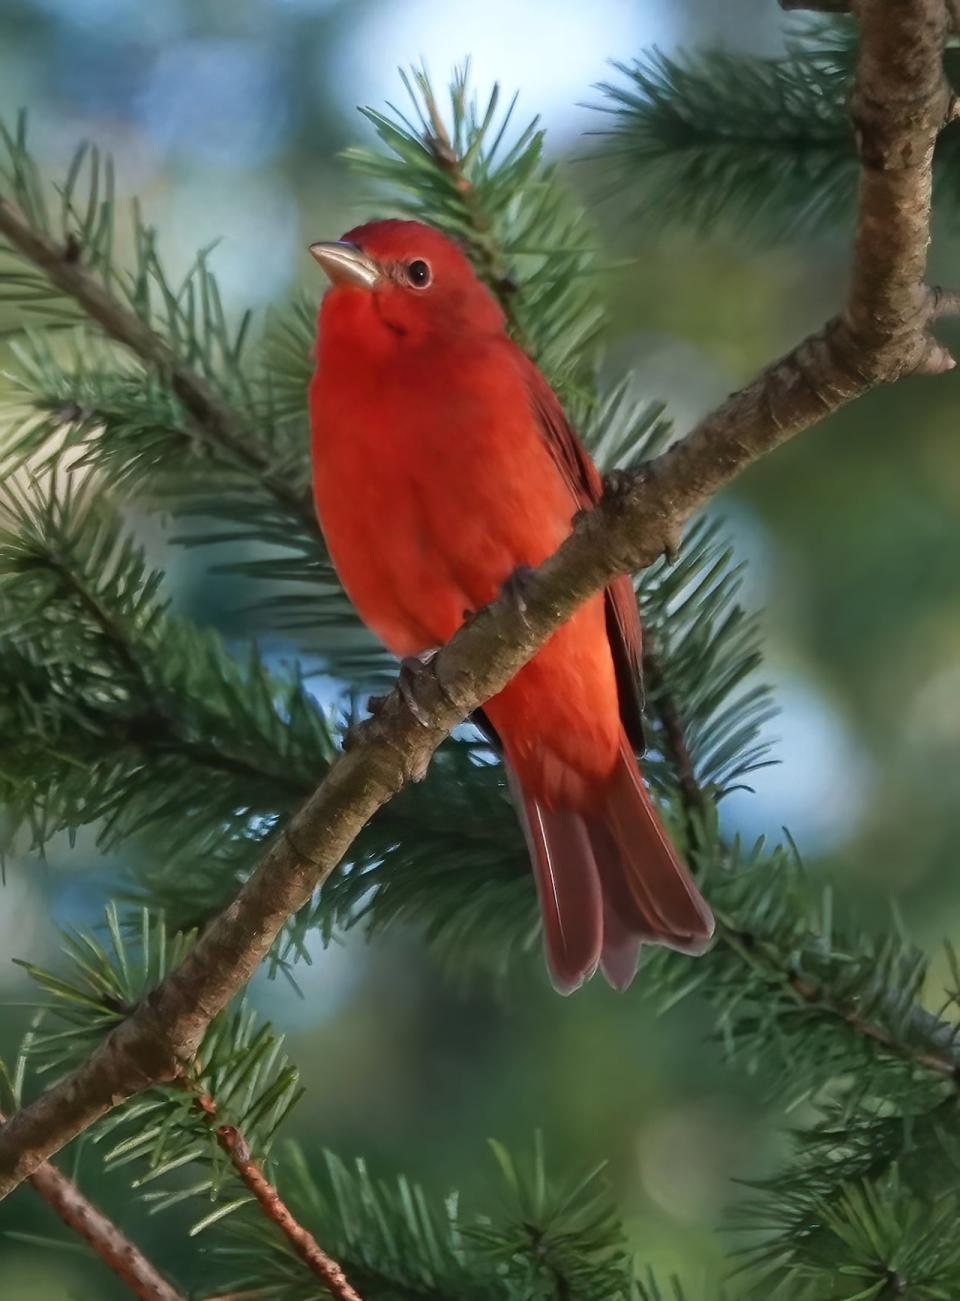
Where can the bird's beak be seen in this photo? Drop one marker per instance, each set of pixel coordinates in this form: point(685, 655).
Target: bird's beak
point(346, 264)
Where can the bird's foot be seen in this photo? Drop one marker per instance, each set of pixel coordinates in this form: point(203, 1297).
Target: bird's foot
point(617, 484)
point(515, 588)
point(411, 669)
point(352, 734)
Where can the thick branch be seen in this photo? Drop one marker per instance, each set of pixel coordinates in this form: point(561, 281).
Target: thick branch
point(273, 1206)
point(883, 332)
point(113, 1247)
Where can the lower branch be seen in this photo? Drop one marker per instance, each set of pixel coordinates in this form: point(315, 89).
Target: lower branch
point(925, 1040)
point(274, 1208)
point(113, 1247)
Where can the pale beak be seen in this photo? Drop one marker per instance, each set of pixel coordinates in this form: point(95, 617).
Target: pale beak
point(346, 264)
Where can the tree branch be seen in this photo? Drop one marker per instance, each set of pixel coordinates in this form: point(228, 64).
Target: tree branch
point(925, 1040)
point(113, 1247)
point(900, 103)
point(303, 1242)
point(65, 271)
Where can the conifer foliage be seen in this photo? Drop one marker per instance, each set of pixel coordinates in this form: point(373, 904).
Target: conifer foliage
point(119, 714)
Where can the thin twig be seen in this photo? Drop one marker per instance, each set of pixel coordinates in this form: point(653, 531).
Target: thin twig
point(676, 750)
point(232, 1142)
point(304, 1244)
point(110, 1243)
point(900, 103)
point(493, 268)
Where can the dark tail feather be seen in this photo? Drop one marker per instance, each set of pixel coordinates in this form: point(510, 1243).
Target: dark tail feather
point(621, 949)
point(568, 887)
point(609, 882)
point(646, 885)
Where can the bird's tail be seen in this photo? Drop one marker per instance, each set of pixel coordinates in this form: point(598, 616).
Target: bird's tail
point(608, 881)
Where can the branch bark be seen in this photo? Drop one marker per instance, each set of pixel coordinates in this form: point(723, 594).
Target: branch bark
point(900, 103)
point(114, 1248)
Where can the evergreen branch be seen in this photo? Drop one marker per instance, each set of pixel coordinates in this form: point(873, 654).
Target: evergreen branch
point(140, 431)
point(876, 1231)
point(393, 1242)
point(924, 1039)
point(743, 142)
point(900, 105)
point(508, 208)
point(909, 1032)
point(735, 140)
point(65, 272)
point(870, 1154)
point(123, 1257)
point(544, 1240)
point(101, 675)
point(677, 749)
point(205, 404)
point(490, 261)
point(235, 1146)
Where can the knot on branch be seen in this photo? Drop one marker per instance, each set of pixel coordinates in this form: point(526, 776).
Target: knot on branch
point(880, 347)
point(233, 1142)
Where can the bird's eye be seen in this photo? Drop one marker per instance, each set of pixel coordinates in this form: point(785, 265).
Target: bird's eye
point(418, 273)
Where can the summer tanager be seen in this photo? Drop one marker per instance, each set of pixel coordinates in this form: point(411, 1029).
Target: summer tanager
point(443, 466)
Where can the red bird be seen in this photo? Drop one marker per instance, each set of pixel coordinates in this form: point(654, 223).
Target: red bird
point(443, 464)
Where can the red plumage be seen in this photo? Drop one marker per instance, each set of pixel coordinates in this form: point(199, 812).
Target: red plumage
point(443, 463)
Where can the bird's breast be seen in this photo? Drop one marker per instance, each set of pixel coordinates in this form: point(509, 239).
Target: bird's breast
point(433, 483)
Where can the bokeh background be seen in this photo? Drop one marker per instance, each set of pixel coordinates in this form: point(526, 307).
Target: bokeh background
point(227, 119)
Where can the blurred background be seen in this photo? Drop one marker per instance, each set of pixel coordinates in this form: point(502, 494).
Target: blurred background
point(227, 120)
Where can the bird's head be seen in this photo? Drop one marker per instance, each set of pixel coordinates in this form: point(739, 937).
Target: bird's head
point(404, 279)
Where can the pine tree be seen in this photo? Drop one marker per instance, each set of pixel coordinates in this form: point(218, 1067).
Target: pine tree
point(120, 714)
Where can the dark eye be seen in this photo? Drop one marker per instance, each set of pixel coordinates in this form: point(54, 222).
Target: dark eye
point(418, 273)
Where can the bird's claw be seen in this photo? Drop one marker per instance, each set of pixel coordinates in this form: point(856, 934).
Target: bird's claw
point(351, 736)
point(617, 484)
point(411, 668)
point(515, 588)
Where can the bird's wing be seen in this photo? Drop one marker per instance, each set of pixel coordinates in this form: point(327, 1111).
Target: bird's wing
point(586, 488)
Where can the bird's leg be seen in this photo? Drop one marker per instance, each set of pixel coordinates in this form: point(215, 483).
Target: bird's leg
point(514, 587)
